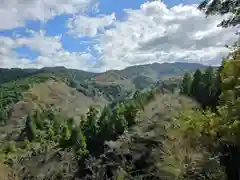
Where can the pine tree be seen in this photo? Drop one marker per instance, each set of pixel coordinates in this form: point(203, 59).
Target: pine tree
point(186, 84)
point(197, 86)
point(30, 129)
point(118, 120)
point(78, 140)
point(91, 124)
point(208, 79)
point(38, 119)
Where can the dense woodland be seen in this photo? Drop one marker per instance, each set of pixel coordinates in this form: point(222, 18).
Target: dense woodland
point(166, 130)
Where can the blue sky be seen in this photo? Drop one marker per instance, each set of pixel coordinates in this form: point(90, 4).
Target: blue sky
point(98, 38)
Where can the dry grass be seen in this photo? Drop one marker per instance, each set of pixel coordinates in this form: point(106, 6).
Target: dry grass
point(6, 173)
point(165, 106)
point(68, 100)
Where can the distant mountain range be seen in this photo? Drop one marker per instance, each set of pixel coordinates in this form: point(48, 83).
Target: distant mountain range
point(109, 86)
point(148, 73)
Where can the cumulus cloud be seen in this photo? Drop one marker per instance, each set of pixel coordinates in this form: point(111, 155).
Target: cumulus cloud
point(152, 33)
point(39, 42)
point(90, 26)
point(50, 49)
point(14, 13)
point(156, 33)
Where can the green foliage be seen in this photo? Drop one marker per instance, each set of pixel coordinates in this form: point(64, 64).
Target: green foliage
point(10, 147)
point(49, 136)
point(197, 85)
point(222, 7)
point(11, 92)
point(26, 144)
point(78, 140)
point(186, 84)
point(205, 87)
point(30, 128)
point(230, 85)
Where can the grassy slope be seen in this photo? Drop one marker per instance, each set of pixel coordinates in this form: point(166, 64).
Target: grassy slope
point(39, 91)
point(68, 100)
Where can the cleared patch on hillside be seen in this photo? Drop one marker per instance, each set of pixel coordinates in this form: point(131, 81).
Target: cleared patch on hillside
point(57, 94)
point(166, 105)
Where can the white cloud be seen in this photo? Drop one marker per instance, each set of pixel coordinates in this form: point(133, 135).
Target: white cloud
point(51, 53)
point(152, 33)
point(90, 26)
point(43, 44)
point(14, 13)
point(74, 60)
point(155, 33)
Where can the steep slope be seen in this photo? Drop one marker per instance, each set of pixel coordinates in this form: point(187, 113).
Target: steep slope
point(20, 97)
point(137, 154)
point(56, 94)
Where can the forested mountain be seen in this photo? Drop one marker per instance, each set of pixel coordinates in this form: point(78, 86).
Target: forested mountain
point(53, 119)
point(34, 100)
point(154, 71)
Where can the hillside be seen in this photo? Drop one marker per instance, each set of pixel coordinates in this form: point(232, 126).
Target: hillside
point(53, 119)
point(154, 71)
point(81, 86)
point(49, 154)
point(142, 76)
point(168, 121)
point(20, 97)
point(112, 84)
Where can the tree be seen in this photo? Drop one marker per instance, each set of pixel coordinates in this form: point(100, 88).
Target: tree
point(38, 120)
point(130, 114)
point(30, 129)
point(230, 76)
point(212, 7)
point(186, 84)
point(2, 115)
point(208, 79)
point(65, 137)
point(104, 123)
point(119, 121)
point(78, 140)
point(197, 86)
point(91, 124)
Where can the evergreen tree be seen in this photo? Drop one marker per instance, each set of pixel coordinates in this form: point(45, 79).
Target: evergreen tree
point(30, 129)
point(130, 114)
point(65, 137)
point(91, 124)
point(186, 84)
point(197, 86)
point(78, 140)
point(38, 120)
point(104, 123)
point(208, 79)
point(119, 121)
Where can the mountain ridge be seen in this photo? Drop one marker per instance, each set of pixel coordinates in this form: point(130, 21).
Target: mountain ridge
point(154, 71)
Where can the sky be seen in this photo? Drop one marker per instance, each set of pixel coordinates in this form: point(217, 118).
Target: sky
point(98, 35)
